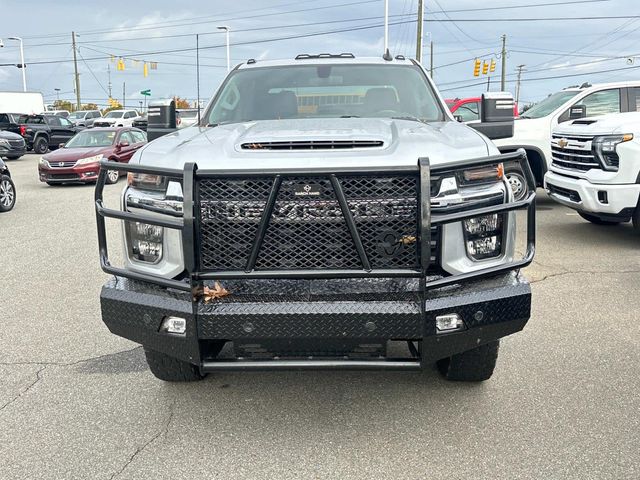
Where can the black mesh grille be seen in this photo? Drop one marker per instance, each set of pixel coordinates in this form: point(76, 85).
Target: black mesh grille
point(307, 229)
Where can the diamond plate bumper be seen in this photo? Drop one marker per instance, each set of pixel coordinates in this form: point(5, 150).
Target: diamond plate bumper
point(347, 309)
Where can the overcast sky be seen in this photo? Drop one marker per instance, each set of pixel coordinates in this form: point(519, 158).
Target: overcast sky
point(140, 29)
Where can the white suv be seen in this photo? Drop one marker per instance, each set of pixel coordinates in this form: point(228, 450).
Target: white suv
point(532, 130)
point(117, 118)
point(595, 168)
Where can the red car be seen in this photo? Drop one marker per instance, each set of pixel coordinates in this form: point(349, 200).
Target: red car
point(78, 159)
point(468, 109)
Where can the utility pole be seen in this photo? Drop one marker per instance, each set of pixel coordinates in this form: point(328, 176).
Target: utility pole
point(109, 77)
point(431, 62)
point(124, 94)
point(488, 82)
point(504, 64)
point(75, 68)
point(520, 68)
point(198, 73)
point(419, 31)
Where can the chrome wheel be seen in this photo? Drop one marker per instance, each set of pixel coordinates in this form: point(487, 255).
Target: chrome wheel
point(518, 185)
point(7, 194)
point(112, 176)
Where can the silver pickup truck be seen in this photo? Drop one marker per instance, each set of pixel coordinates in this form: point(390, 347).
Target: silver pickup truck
point(326, 212)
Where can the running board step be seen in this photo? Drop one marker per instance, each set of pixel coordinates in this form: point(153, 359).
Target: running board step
point(389, 364)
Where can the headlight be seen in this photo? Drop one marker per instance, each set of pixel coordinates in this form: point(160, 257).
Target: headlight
point(4, 143)
point(483, 236)
point(491, 173)
point(43, 163)
point(604, 148)
point(94, 159)
point(145, 241)
point(147, 182)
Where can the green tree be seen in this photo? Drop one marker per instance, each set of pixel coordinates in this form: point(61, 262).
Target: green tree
point(63, 105)
point(181, 102)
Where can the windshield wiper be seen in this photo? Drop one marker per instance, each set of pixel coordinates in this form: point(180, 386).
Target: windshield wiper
point(349, 116)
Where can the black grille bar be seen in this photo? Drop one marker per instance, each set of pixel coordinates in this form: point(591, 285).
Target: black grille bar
point(351, 225)
point(264, 223)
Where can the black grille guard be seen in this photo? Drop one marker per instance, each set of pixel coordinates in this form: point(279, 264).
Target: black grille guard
point(188, 224)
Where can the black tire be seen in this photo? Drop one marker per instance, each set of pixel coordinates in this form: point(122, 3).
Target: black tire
point(474, 365)
point(40, 145)
point(171, 369)
point(7, 193)
point(517, 181)
point(14, 157)
point(112, 177)
point(596, 220)
point(636, 218)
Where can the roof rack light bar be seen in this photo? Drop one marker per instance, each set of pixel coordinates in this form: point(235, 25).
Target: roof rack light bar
point(307, 56)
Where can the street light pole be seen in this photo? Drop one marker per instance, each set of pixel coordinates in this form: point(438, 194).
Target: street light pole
point(57, 93)
point(22, 65)
point(227, 30)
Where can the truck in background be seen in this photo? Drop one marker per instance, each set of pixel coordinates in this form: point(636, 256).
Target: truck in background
point(595, 168)
point(21, 102)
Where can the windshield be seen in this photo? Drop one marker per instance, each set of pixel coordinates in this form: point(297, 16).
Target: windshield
point(87, 138)
point(325, 91)
point(77, 116)
point(549, 104)
point(113, 114)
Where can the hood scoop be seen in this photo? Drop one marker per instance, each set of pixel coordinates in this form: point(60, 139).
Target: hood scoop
point(313, 145)
point(583, 122)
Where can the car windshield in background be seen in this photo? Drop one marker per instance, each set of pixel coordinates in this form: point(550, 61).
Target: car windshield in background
point(113, 115)
point(188, 113)
point(325, 91)
point(549, 104)
point(76, 116)
point(91, 139)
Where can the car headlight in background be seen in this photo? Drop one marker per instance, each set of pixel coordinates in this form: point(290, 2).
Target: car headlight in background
point(145, 241)
point(483, 236)
point(43, 163)
point(4, 143)
point(604, 148)
point(86, 160)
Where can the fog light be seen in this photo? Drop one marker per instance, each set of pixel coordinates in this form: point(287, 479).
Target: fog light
point(484, 247)
point(483, 236)
point(449, 322)
point(145, 241)
point(175, 325)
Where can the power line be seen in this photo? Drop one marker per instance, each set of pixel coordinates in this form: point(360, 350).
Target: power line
point(544, 78)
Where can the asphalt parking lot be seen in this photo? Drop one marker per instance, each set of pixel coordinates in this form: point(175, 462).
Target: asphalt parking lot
point(78, 402)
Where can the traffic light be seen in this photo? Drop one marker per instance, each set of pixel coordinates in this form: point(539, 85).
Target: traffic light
point(485, 68)
point(492, 68)
point(476, 68)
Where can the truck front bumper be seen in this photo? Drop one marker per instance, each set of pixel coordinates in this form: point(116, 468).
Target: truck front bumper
point(360, 311)
point(580, 194)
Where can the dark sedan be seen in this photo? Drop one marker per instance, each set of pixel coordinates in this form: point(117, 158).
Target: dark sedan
point(12, 145)
point(7, 189)
point(78, 160)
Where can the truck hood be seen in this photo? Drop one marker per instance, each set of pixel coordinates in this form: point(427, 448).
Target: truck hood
point(403, 142)
point(606, 124)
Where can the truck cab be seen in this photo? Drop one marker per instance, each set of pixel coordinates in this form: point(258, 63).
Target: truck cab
point(327, 212)
point(532, 129)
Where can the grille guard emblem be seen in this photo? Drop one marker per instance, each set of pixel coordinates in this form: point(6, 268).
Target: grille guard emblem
point(563, 142)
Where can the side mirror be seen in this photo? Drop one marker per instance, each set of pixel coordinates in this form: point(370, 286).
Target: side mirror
point(61, 145)
point(123, 144)
point(459, 118)
point(577, 111)
point(496, 115)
